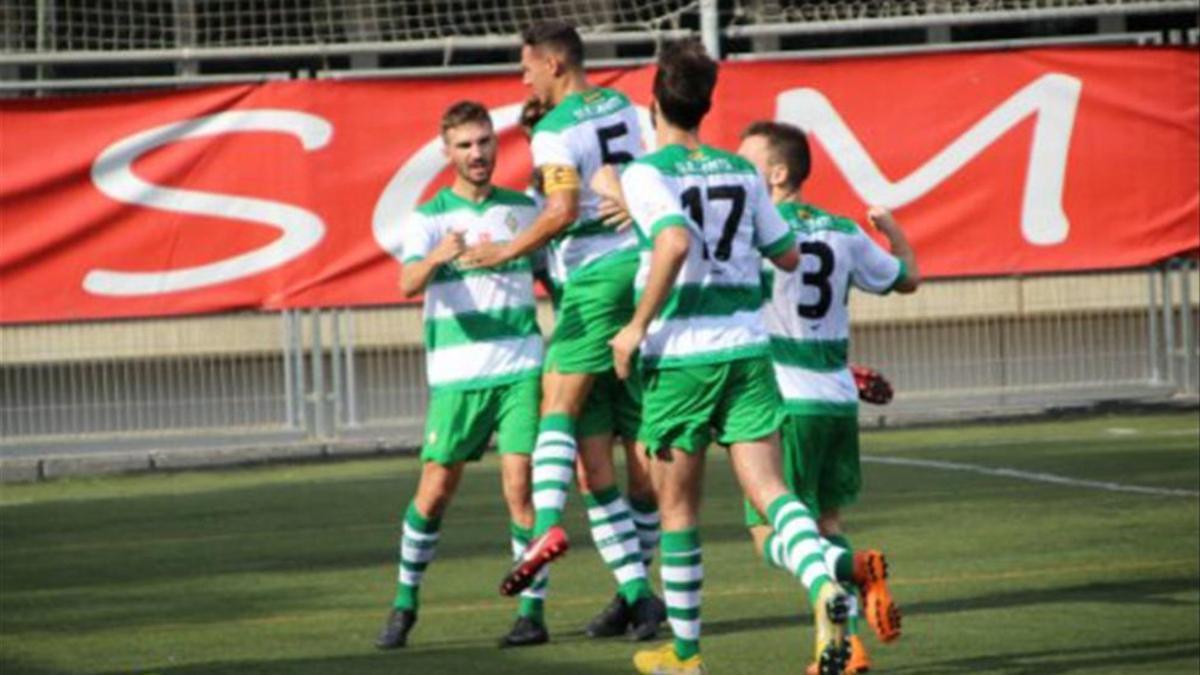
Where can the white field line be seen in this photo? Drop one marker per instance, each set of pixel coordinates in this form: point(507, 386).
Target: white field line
point(1033, 476)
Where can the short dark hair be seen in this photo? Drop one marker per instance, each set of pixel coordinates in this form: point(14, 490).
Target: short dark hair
point(464, 112)
point(558, 36)
point(787, 145)
point(684, 83)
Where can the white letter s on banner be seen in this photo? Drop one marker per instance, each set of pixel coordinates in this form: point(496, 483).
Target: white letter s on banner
point(113, 175)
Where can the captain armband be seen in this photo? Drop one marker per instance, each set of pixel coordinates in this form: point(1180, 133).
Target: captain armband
point(557, 178)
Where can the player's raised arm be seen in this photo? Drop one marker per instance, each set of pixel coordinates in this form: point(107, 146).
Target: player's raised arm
point(883, 221)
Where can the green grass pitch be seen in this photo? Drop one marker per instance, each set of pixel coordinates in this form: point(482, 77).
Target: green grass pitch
point(290, 569)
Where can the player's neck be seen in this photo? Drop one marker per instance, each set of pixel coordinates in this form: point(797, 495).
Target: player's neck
point(668, 134)
point(470, 191)
point(573, 83)
point(781, 195)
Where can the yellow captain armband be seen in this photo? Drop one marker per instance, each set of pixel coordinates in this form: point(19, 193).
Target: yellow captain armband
point(558, 178)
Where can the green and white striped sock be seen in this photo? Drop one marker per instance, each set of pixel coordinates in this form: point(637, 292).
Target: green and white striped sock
point(649, 527)
point(682, 578)
point(553, 469)
point(802, 546)
point(616, 538)
point(839, 558)
point(418, 544)
point(774, 553)
point(533, 599)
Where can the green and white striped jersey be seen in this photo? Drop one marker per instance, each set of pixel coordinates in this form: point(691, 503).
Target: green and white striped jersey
point(480, 325)
point(808, 316)
point(587, 130)
point(713, 314)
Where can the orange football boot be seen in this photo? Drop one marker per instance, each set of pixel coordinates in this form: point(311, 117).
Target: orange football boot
point(882, 614)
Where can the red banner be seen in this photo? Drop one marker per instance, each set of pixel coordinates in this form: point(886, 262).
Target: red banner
point(294, 194)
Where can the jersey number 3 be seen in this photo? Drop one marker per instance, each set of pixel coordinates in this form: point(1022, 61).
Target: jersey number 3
point(818, 279)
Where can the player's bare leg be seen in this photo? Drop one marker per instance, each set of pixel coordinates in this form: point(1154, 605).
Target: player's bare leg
point(563, 395)
point(418, 544)
point(757, 466)
point(678, 478)
point(634, 610)
point(530, 625)
point(642, 501)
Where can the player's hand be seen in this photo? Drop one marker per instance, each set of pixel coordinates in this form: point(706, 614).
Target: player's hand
point(484, 254)
point(872, 386)
point(881, 219)
point(613, 214)
point(624, 344)
point(450, 247)
point(606, 183)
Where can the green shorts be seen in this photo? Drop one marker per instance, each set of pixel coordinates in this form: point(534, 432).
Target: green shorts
point(613, 407)
point(820, 462)
point(595, 304)
point(682, 406)
point(461, 421)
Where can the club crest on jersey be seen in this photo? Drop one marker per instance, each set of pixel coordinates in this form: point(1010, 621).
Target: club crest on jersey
point(510, 221)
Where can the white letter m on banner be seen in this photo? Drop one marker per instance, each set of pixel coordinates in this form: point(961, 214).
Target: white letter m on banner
point(1052, 98)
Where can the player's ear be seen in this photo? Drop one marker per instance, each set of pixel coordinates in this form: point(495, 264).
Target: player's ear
point(777, 174)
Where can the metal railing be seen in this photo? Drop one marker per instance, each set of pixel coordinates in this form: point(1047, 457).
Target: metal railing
point(60, 46)
point(955, 347)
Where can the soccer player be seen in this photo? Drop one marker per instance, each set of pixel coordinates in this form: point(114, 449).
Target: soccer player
point(807, 316)
point(586, 128)
point(483, 360)
point(707, 222)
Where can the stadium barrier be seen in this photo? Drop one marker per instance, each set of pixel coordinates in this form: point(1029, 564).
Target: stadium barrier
point(957, 348)
point(345, 374)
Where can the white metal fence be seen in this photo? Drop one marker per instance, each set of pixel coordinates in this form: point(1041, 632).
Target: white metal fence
point(1001, 344)
point(66, 45)
point(955, 347)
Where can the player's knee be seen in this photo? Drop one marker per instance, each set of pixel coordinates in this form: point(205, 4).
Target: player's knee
point(436, 488)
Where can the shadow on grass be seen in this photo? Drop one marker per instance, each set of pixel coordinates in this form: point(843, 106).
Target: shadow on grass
point(1145, 592)
point(450, 659)
point(13, 666)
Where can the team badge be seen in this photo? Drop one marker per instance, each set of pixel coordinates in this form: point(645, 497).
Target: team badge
point(510, 221)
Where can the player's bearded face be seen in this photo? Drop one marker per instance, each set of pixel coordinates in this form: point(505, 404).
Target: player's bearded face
point(471, 148)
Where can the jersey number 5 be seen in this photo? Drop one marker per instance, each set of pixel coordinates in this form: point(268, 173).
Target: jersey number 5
point(693, 202)
point(818, 279)
point(608, 134)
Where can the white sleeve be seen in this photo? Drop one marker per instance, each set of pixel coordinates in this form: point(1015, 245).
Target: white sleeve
point(771, 232)
point(420, 236)
point(550, 149)
point(652, 203)
point(873, 269)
